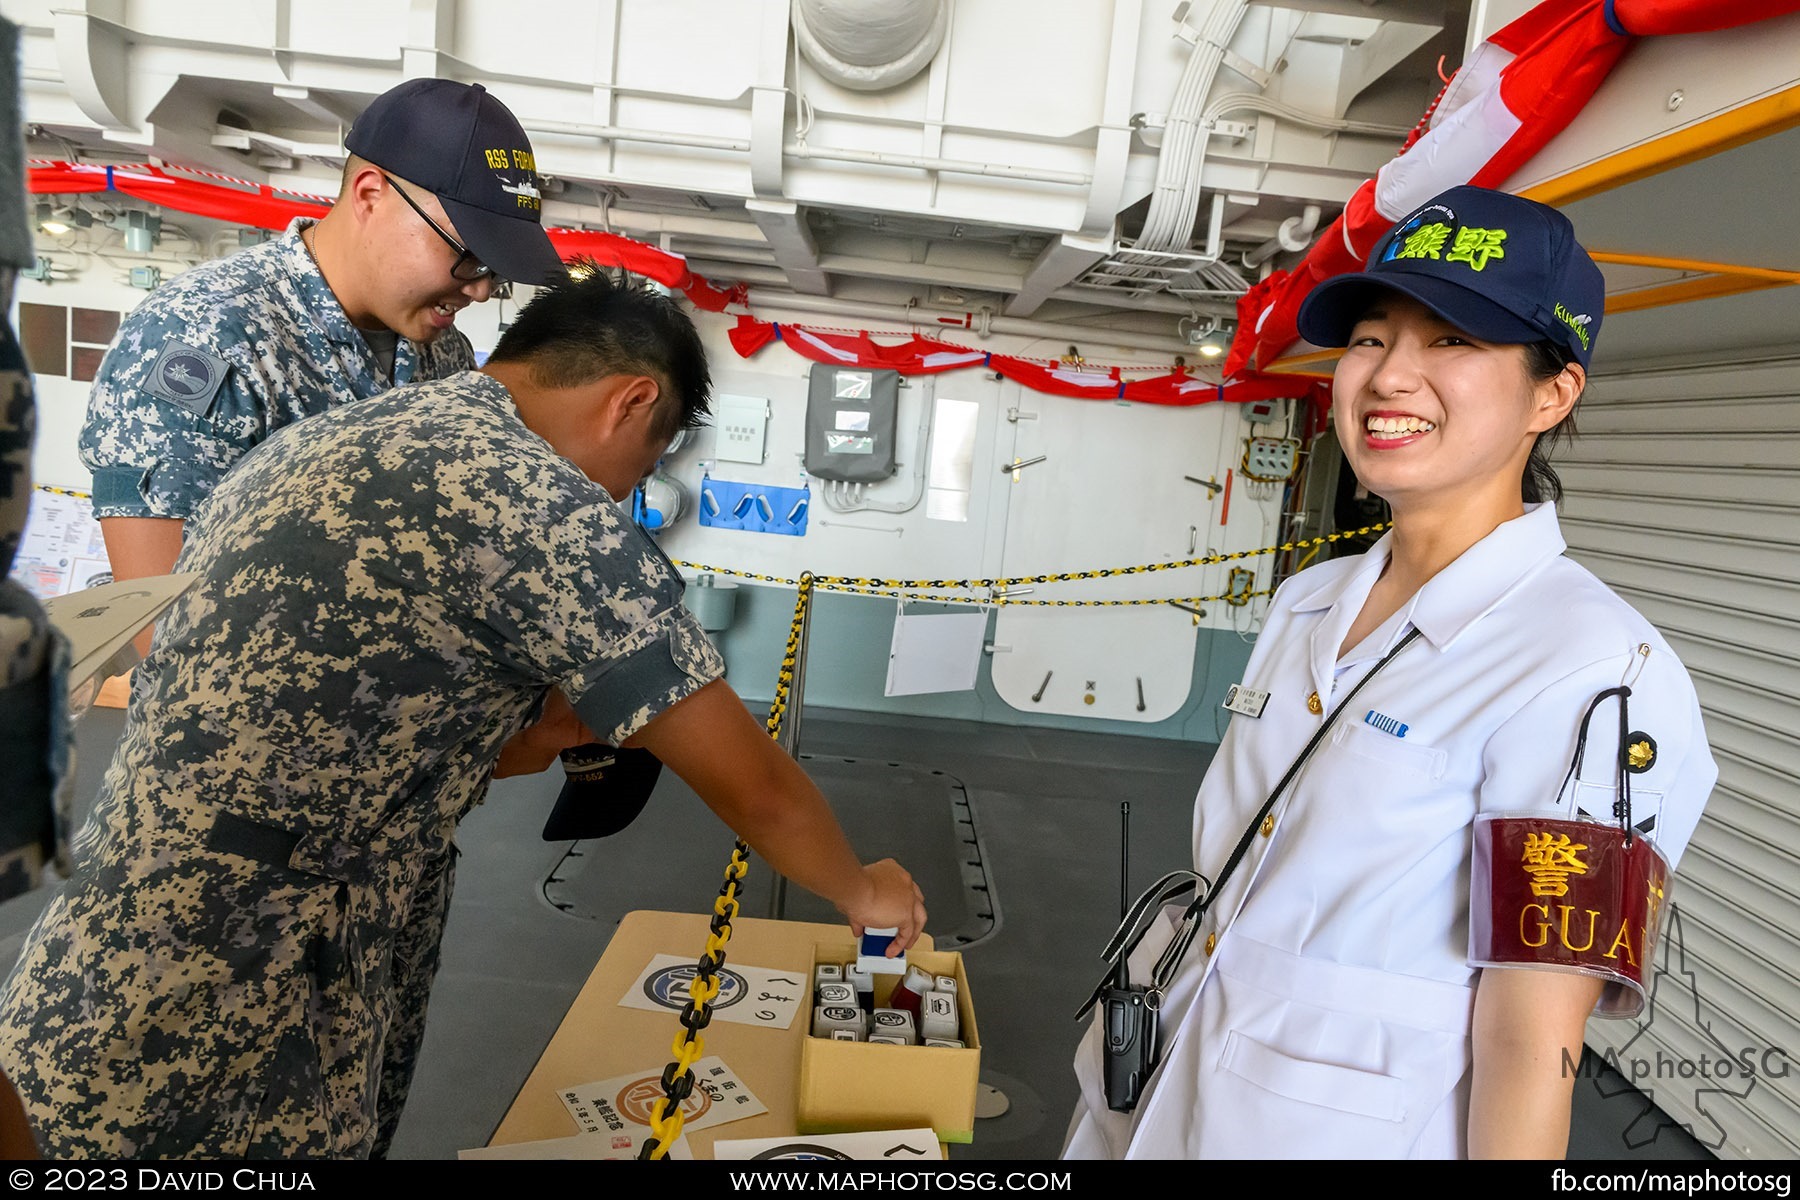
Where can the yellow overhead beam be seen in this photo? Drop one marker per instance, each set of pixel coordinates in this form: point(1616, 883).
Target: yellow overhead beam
point(1704, 287)
point(1735, 127)
point(1770, 275)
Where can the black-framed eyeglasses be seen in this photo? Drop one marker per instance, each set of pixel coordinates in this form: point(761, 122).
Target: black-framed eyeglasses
point(467, 268)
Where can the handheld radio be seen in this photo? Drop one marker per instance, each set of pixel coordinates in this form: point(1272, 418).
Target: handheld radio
point(1129, 1013)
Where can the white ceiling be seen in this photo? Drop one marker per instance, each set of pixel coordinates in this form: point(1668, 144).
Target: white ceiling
point(695, 125)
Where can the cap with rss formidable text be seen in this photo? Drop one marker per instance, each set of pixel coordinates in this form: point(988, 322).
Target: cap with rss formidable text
point(465, 147)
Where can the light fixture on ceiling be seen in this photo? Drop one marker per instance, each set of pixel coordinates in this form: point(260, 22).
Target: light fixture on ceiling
point(49, 220)
point(59, 220)
point(1207, 336)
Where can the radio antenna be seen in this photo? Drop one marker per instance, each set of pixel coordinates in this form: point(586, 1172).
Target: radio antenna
point(1123, 977)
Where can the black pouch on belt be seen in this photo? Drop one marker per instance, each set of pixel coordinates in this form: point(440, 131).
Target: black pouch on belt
point(604, 790)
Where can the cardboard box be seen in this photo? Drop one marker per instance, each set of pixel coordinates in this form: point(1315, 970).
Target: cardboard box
point(847, 1087)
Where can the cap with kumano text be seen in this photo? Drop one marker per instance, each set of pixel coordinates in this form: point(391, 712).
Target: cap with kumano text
point(1499, 267)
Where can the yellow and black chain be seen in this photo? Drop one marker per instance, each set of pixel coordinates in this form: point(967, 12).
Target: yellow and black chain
point(667, 1118)
point(1233, 598)
point(910, 589)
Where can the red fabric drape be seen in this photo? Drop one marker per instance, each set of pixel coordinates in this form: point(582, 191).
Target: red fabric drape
point(246, 204)
point(914, 356)
point(1055, 379)
point(1661, 18)
point(670, 270)
point(917, 355)
point(750, 335)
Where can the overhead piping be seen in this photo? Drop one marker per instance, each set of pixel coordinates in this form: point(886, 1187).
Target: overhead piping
point(698, 141)
point(1294, 235)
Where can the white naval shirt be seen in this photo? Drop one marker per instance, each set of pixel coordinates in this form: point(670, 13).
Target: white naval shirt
point(1334, 965)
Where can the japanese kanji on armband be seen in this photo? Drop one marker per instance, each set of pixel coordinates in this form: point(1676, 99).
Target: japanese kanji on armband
point(1572, 894)
point(1569, 895)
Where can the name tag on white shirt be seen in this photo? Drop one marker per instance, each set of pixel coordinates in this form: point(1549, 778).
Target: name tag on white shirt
point(1248, 701)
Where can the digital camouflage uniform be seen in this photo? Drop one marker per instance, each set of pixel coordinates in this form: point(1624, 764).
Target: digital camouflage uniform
point(34, 707)
point(213, 362)
point(208, 366)
point(387, 592)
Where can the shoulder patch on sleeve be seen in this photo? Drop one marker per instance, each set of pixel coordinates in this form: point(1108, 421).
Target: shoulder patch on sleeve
point(186, 376)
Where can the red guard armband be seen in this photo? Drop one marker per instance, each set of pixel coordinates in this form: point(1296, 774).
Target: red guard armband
point(1570, 896)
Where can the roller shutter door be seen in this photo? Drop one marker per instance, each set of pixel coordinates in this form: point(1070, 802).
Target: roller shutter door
point(1683, 494)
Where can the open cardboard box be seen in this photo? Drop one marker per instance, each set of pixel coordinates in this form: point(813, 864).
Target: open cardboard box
point(847, 1087)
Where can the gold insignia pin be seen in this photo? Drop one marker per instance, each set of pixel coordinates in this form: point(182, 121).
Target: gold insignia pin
point(1640, 755)
point(1313, 706)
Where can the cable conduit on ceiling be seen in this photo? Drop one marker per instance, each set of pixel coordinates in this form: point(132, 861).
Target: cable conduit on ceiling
point(1174, 204)
point(1234, 102)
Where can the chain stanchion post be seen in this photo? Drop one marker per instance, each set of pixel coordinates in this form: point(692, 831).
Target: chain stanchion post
point(788, 736)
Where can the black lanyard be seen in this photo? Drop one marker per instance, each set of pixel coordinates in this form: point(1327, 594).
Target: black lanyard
point(1177, 883)
point(1622, 797)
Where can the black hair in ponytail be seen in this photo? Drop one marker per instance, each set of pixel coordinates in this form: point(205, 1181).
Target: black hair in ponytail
point(1544, 361)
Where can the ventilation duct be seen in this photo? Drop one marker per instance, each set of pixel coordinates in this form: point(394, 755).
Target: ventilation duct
point(869, 45)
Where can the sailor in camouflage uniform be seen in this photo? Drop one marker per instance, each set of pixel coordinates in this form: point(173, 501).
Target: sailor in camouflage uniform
point(337, 310)
point(388, 593)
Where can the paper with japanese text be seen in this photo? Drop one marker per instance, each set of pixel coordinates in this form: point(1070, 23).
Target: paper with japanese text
point(624, 1105)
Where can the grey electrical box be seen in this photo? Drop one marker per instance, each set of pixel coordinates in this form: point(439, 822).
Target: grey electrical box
point(850, 419)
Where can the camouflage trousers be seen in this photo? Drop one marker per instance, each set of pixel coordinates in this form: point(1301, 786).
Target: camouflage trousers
point(416, 955)
point(209, 1005)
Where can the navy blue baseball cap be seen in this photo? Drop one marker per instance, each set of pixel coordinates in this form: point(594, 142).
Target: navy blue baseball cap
point(467, 149)
point(1499, 267)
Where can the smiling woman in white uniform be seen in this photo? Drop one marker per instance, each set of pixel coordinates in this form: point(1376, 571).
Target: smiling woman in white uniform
point(1327, 1007)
